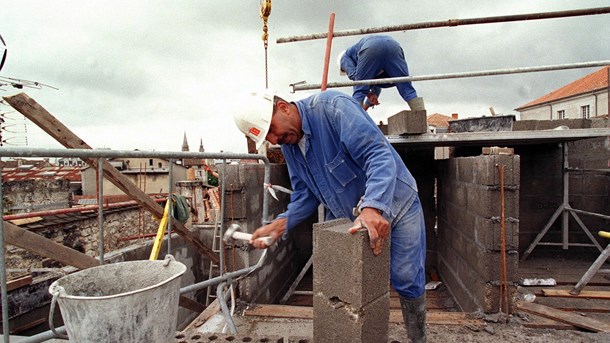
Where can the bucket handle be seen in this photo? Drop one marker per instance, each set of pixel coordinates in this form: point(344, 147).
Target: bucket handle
point(56, 292)
point(168, 259)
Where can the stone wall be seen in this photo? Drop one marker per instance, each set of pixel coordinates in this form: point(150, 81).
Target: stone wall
point(469, 228)
point(35, 195)
point(83, 236)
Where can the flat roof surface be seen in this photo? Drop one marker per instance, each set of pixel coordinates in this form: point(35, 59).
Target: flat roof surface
point(504, 138)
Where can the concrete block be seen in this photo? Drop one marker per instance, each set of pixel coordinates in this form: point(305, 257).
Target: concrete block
point(344, 266)
point(194, 336)
point(408, 123)
point(336, 321)
point(300, 339)
point(489, 124)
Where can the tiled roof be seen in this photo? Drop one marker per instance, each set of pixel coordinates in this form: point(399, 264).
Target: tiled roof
point(592, 82)
point(438, 120)
point(43, 173)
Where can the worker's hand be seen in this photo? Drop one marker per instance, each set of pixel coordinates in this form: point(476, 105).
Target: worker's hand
point(377, 226)
point(273, 230)
point(373, 99)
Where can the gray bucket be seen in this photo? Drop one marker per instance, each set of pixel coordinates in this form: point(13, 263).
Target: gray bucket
point(133, 301)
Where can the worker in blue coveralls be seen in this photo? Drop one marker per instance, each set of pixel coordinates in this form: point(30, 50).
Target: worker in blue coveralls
point(337, 156)
point(377, 57)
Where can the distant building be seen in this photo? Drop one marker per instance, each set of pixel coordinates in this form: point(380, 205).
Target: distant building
point(70, 162)
point(584, 98)
point(151, 175)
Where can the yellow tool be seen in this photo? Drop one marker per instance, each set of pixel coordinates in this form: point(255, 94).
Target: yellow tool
point(154, 253)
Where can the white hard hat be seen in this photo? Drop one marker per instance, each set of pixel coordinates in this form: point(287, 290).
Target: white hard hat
point(341, 71)
point(255, 119)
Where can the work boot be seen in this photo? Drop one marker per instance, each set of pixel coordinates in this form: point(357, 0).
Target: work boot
point(414, 315)
point(417, 104)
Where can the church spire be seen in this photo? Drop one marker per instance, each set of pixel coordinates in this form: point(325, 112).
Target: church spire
point(201, 149)
point(185, 144)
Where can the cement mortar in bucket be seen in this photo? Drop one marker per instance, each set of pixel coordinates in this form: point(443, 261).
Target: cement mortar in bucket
point(134, 301)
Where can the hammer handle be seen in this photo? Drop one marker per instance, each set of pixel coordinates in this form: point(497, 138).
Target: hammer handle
point(248, 236)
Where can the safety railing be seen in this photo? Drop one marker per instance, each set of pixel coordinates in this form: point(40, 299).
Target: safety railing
point(101, 156)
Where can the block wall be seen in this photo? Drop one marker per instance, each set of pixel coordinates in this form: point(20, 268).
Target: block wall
point(542, 183)
point(244, 206)
point(469, 228)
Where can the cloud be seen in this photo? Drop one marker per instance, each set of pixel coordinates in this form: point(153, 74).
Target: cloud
point(140, 74)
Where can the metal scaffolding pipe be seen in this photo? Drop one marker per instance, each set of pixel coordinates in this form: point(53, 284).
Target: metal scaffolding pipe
point(304, 86)
point(71, 210)
point(450, 22)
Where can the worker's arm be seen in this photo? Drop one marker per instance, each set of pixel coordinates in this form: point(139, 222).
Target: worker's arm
point(274, 230)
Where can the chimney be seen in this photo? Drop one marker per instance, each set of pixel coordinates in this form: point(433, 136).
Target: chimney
point(454, 116)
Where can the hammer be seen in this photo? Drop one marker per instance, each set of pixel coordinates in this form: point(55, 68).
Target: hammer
point(234, 233)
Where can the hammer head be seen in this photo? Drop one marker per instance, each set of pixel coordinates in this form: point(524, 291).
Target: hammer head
point(228, 236)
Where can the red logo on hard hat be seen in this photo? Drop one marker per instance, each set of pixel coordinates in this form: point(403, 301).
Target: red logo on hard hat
point(254, 131)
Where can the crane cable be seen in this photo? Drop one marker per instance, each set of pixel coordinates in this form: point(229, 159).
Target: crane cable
point(265, 11)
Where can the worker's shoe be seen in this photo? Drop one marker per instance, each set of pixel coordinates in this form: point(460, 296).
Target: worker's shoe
point(414, 315)
point(417, 104)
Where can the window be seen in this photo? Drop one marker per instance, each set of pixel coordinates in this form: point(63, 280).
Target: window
point(561, 114)
point(585, 111)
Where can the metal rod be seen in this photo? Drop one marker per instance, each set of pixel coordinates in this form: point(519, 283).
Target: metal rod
point(3, 278)
point(43, 336)
point(304, 86)
point(450, 23)
point(95, 153)
point(100, 204)
point(225, 309)
point(223, 187)
point(171, 207)
point(598, 215)
point(72, 210)
point(235, 276)
point(329, 44)
point(566, 199)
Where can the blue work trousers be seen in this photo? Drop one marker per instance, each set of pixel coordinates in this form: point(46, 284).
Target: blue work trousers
point(384, 58)
point(408, 250)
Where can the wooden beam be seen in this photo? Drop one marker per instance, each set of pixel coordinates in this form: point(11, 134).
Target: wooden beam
point(305, 312)
point(45, 247)
point(49, 124)
point(20, 282)
point(564, 317)
point(564, 293)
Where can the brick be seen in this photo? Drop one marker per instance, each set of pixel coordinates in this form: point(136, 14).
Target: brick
point(337, 322)
point(344, 265)
point(408, 123)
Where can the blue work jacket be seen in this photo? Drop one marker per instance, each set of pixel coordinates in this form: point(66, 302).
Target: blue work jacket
point(346, 157)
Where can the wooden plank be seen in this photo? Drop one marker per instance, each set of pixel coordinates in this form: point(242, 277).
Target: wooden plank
point(190, 304)
point(20, 282)
point(564, 293)
point(48, 123)
point(24, 221)
point(538, 322)
point(209, 311)
point(564, 317)
point(47, 248)
point(303, 312)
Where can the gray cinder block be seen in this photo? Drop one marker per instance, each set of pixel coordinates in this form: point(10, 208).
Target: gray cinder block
point(408, 123)
point(338, 322)
point(345, 266)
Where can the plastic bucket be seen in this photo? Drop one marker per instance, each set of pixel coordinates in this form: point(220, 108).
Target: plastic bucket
point(134, 301)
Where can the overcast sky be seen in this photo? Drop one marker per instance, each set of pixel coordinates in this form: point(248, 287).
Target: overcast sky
point(140, 74)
